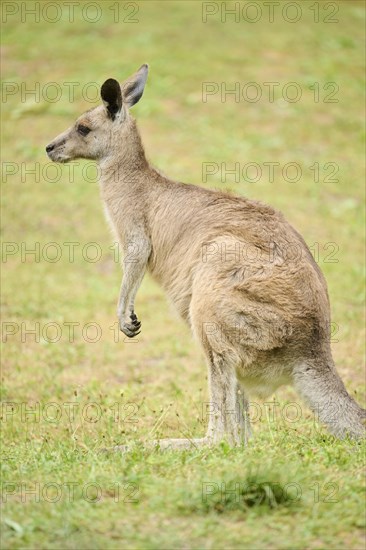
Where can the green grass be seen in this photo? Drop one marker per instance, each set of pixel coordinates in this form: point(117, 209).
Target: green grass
point(294, 486)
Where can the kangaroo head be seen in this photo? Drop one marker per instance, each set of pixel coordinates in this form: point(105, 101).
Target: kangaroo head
point(95, 132)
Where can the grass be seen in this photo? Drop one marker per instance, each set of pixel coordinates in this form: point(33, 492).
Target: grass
point(294, 486)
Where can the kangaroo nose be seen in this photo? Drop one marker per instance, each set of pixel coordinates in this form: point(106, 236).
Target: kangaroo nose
point(49, 148)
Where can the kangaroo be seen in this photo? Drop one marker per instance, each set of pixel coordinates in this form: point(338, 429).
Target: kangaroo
point(237, 272)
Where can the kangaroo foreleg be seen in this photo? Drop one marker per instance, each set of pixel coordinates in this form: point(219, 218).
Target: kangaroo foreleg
point(134, 271)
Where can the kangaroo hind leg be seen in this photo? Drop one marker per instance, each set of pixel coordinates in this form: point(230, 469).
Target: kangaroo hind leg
point(321, 387)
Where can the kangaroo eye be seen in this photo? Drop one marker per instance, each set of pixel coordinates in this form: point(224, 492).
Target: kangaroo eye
point(83, 130)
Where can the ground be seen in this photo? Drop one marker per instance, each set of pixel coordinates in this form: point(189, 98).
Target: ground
point(89, 388)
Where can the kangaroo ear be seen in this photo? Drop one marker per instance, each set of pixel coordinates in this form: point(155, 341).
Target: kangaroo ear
point(133, 87)
point(111, 97)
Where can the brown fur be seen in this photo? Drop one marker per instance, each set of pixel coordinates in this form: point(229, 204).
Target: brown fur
point(237, 272)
